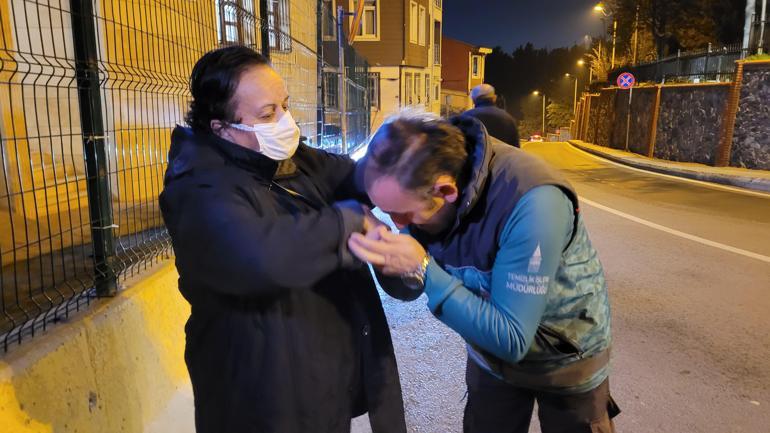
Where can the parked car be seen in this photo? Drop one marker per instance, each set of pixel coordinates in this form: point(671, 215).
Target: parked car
point(535, 137)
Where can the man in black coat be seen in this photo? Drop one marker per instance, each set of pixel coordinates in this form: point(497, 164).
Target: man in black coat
point(286, 333)
point(498, 122)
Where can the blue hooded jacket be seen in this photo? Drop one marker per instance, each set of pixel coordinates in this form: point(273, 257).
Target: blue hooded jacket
point(516, 275)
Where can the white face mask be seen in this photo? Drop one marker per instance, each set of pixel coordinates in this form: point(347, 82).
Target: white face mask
point(277, 140)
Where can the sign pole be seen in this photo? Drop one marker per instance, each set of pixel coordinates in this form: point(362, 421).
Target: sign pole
point(626, 80)
point(628, 116)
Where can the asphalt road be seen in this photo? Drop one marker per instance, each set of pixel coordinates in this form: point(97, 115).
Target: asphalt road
point(688, 266)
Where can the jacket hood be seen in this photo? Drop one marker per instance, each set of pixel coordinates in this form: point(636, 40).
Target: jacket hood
point(479, 147)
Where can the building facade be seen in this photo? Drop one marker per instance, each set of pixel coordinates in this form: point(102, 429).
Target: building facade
point(401, 39)
point(463, 70)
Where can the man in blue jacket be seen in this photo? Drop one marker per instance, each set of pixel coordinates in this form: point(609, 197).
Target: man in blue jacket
point(496, 241)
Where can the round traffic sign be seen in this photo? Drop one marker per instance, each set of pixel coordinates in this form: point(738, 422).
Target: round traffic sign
point(626, 80)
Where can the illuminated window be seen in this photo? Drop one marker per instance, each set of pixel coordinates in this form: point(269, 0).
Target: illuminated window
point(413, 15)
point(370, 20)
point(279, 32)
point(421, 28)
point(476, 66)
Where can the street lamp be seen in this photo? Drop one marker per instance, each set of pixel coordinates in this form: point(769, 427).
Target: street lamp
point(601, 9)
point(582, 63)
point(574, 101)
point(536, 93)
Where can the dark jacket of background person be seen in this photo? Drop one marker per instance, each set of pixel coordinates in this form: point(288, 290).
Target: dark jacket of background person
point(498, 122)
point(283, 322)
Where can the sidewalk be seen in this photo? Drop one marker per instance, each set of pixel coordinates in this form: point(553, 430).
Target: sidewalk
point(758, 180)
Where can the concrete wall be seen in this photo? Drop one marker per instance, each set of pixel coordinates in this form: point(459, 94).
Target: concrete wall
point(454, 102)
point(113, 369)
point(694, 121)
point(619, 120)
point(751, 139)
point(637, 127)
point(690, 123)
point(593, 119)
point(606, 114)
point(642, 109)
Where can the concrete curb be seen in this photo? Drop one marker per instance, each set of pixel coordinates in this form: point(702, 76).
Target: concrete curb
point(113, 368)
point(752, 183)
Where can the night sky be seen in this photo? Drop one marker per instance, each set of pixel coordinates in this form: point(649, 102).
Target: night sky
point(510, 23)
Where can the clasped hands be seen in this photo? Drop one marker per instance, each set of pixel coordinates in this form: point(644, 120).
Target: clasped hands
point(393, 254)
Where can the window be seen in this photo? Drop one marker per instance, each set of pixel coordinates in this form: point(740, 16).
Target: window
point(436, 42)
point(437, 3)
point(374, 90)
point(235, 22)
point(279, 32)
point(413, 14)
point(408, 89)
point(331, 86)
point(427, 88)
point(421, 24)
point(417, 87)
point(437, 92)
point(370, 21)
point(329, 20)
point(476, 67)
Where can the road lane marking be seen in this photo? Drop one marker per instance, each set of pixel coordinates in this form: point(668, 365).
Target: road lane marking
point(668, 176)
point(671, 231)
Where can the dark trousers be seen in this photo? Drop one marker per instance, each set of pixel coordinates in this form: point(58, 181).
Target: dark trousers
point(495, 406)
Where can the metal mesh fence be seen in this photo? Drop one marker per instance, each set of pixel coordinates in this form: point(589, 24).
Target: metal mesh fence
point(759, 36)
point(710, 64)
point(90, 91)
point(356, 108)
point(45, 241)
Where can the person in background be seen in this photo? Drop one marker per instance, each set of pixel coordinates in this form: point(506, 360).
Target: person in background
point(498, 122)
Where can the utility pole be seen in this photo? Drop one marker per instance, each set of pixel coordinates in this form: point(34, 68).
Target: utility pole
point(538, 93)
point(614, 37)
point(544, 133)
point(574, 100)
point(636, 34)
point(762, 21)
point(751, 8)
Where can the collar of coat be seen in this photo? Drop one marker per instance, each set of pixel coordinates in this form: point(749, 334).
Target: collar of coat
point(190, 149)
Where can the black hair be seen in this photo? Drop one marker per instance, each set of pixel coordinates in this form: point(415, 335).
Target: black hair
point(213, 81)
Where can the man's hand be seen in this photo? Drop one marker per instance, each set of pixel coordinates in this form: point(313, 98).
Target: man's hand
point(394, 253)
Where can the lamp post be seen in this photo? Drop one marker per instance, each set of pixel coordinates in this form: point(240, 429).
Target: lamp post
point(574, 100)
point(582, 63)
point(636, 34)
point(601, 9)
point(536, 93)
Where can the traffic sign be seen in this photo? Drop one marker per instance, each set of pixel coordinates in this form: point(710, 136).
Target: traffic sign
point(626, 80)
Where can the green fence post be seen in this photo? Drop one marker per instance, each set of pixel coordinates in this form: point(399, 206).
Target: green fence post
point(94, 143)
